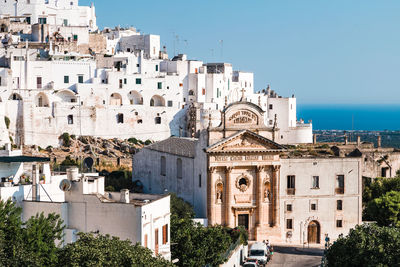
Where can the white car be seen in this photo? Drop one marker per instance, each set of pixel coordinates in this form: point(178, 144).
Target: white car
point(250, 264)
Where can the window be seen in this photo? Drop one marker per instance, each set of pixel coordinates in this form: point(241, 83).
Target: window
point(38, 82)
point(156, 241)
point(165, 234)
point(42, 21)
point(65, 22)
point(289, 223)
point(138, 81)
point(120, 83)
point(75, 37)
point(156, 67)
point(181, 84)
point(271, 106)
point(339, 223)
point(158, 120)
point(70, 119)
point(179, 168)
point(313, 206)
point(315, 182)
point(163, 166)
point(204, 91)
point(170, 103)
point(340, 184)
point(199, 180)
point(291, 184)
point(289, 207)
point(339, 205)
point(80, 78)
point(125, 81)
point(145, 240)
point(159, 85)
point(120, 118)
point(66, 79)
point(138, 65)
point(128, 50)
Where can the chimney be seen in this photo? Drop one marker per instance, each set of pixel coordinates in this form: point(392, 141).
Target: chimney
point(314, 139)
point(358, 140)
point(379, 141)
point(346, 140)
point(124, 196)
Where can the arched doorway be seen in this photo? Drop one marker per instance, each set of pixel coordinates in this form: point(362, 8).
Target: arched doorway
point(314, 232)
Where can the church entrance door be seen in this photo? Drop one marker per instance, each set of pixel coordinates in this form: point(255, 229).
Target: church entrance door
point(243, 220)
point(314, 231)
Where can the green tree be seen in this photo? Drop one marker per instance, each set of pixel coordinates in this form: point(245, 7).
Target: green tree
point(31, 243)
point(193, 244)
point(366, 245)
point(385, 210)
point(118, 180)
point(103, 250)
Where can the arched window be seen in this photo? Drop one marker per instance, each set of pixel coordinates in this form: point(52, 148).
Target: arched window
point(120, 118)
point(15, 96)
point(70, 119)
point(41, 100)
point(163, 166)
point(179, 168)
point(157, 101)
point(135, 98)
point(115, 99)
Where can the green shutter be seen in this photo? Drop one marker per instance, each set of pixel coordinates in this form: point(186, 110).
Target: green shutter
point(159, 85)
point(66, 79)
point(138, 81)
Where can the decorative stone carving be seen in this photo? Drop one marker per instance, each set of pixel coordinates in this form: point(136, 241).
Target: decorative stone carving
point(219, 189)
point(242, 183)
point(240, 199)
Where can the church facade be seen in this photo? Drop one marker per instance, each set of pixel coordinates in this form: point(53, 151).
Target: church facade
point(236, 174)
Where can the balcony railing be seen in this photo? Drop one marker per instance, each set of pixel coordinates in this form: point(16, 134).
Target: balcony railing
point(290, 191)
point(339, 190)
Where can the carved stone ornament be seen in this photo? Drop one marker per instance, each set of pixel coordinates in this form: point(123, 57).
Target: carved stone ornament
point(242, 183)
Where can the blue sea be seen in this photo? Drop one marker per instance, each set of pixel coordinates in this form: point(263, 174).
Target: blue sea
point(351, 117)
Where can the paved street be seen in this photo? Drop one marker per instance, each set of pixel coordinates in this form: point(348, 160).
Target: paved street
point(291, 257)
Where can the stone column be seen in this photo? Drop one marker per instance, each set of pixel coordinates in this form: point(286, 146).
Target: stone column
point(275, 197)
point(211, 199)
point(260, 195)
point(228, 198)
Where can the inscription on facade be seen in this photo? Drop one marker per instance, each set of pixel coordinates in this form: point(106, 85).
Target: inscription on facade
point(243, 117)
point(253, 157)
point(268, 157)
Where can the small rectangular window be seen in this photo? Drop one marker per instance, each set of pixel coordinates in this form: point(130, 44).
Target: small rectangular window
point(138, 81)
point(289, 207)
point(70, 119)
point(156, 67)
point(170, 103)
point(138, 65)
point(340, 184)
point(339, 204)
point(313, 206)
point(158, 120)
point(291, 184)
point(289, 223)
point(339, 223)
point(80, 78)
point(271, 106)
point(75, 37)
point(38, 82)
point(204, 91)
point(120, 83)
point(165, 234)
point(315, 182)
point(125, 81)
point(66, 79)
point(199, 180)
point(159, 85)
point(65, 22)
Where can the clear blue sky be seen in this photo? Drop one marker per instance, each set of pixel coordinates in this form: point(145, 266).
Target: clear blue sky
point(337, 51)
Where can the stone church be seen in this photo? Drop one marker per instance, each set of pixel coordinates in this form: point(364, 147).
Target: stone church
point(235, 174)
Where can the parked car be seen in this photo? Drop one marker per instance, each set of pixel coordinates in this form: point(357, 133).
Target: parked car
point(250, 264)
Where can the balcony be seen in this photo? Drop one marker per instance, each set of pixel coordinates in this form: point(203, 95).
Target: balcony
point(339, 190)
point(290, 191)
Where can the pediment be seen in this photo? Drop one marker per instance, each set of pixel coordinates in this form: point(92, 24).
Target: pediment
point(245, 141)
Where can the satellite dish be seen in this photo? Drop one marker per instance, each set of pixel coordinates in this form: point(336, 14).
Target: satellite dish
point(88, 162)
point(65, 185)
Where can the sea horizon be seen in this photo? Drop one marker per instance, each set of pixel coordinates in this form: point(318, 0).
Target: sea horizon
point(367, 117)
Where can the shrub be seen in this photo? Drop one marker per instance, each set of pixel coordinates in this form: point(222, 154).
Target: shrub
point(66, 138)
point(147, 142)
point(73, 136)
